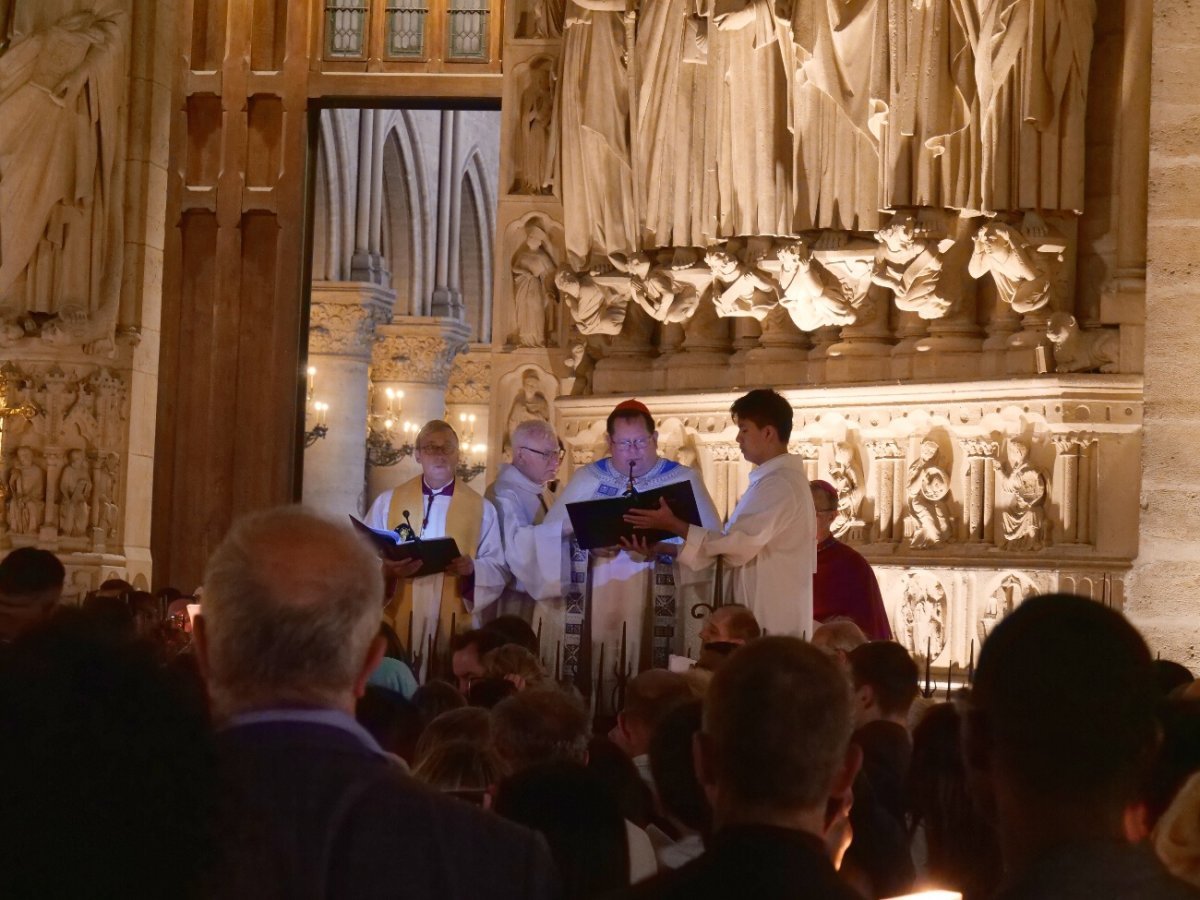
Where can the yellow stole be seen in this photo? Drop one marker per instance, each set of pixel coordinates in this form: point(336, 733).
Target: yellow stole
point(464, 519)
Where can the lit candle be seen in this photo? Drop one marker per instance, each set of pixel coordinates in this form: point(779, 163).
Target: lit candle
point(312, 380)
point(399, 401)
point(391, 398)
point(387, 424)
point(324, 413)
point(471, 426)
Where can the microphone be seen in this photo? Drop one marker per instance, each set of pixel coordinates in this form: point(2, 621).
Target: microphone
point(408, 522)
point(630, 490)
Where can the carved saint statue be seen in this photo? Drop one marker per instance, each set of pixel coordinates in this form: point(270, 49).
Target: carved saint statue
point(845, 475)
point(106, 494)
point(529, 403)
point(1021, 278)
point(808, 299)
point(541, 19)
point(75, 494)
point(532, 272)
point(928, 493)
point(26, 493)
point(921, 616)
point(531, 139)
point(999, 604)
point(62, 149)
point(1022, 522)
point(593, 308)
point(909, 263)
point(747, 291)
point(657, 291)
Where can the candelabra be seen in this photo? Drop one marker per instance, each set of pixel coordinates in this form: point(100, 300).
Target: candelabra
point(381, 451)
point(321, 426)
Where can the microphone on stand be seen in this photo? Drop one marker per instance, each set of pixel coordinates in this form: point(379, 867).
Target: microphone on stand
point(408, 522)
point(630, 490)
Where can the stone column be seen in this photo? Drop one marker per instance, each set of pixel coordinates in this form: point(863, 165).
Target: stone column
point(781, 356)
point(413, 354)
point(888, 459)
point(1075, 487)
point(727, 463)
point(705, 352)
point(446, 300)
point(627, 361)
point(810, 453)
point(980, 506)
point(342, 323)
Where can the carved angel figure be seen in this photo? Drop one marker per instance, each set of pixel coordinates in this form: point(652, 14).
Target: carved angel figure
point(75, 491)
point(844, 476)
point(1023, 521)
point(909, 263)
point(594, 309)
point(810, 302)
point(1021, 279)
point(747, 292)
point(928, 492)
point(26, 493)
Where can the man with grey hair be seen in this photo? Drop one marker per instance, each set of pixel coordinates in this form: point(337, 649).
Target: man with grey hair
point(775, 759)
point(312, 807)
point(531, 550)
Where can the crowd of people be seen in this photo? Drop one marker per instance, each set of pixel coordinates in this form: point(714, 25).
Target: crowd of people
point(299, 738)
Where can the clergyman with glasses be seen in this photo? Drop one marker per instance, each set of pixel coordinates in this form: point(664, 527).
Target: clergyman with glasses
point(648, 595)
point(439, 504)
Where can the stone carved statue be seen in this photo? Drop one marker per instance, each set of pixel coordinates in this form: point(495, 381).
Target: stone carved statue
point(909, 262)
point(846, 476)
point(529, 403)
point(655, 289)
point(594, 308)
point(1023, 522)
point(540, 20)
point(592, 125)
point(532, 273)
point(747, 291)
point(1076, 350)
point(928, 494)
point(75, 493)
point(62, 99)
point(1022, 280)
point(531, 139)
point(808, 298)
point(26, 493)
point(920, 620)
point(106, 494)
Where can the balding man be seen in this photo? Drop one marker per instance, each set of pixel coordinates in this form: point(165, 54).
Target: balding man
point(844, 583)
point(439, 504)
point(313, 808)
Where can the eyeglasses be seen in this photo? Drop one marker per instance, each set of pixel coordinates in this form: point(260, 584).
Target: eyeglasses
point(547, 454)
point(438, 449)
point(636, 444)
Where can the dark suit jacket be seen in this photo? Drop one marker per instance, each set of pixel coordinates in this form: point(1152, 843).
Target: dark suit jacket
point(309, 812)
point(752, 861)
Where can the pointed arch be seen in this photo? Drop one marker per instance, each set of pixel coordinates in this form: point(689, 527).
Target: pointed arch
point(405, 214)
point(477, 222)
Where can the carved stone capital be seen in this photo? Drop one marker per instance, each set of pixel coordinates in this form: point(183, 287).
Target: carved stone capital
point(344, 317)
point(804, 449)
point(470, 378)
point(418, 349)
point(885, 449)
point(979, 448)
point(725, 452)
point(1074, 443)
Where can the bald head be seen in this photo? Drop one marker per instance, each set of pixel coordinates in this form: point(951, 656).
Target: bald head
point(731, 624)
point(290, 610)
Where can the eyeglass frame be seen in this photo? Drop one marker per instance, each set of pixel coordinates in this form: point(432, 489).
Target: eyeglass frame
point(438, 449)
point(561, 453)
point(635, 443)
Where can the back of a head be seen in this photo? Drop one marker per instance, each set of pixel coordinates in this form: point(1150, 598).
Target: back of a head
point(778, 718)
point(436, 697)
point(514, 629)
point(512, 659)
point(1063, 700)
point(393, 721)
point(291, 605)
point(31, 584)
point(580, 820)
point(737, 622)
point(107, 769)
point(650, 695)
point(889, 670)
point(838, 634)
point(679, 790)
point(470, 723)
point(463, 768)
point(540, 726)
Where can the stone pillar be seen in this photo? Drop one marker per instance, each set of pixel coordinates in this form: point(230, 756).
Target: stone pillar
point(810, 453)
point(863, 352)
point(342, 323)
point(627, 361)
point(446, 300)
point(979, 508)
point(705, 350)
point(1075, 487)
point(730, 481)
point(781, 356)
point(888, 459)
point(414, 354)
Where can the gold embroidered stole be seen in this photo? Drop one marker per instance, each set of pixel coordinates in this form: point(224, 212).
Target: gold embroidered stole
point(464, 520)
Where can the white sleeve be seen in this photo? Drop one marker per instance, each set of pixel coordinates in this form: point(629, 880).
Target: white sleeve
point(753, 525)
point(533, 552)
point(709, 517)
point(377, 515)
point(582, 486)
point(491, 573)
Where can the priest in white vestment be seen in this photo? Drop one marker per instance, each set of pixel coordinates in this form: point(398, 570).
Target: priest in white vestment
point(642, 595)
point(532, 549)
point(768, 549)
point(438, 504)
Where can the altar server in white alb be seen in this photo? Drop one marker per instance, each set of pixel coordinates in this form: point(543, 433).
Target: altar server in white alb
point(439, 504)
point(646, 594)
point(769, 548)
point(532, 549)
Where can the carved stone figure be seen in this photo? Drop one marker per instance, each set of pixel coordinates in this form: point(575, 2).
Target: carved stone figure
point(920, 620)
point(928, 494)
point(808, 299)
point(1023, 521)
point(531, 139)
point(664, 297)
point(1022, 280)
point(846, 476)
point(26, 493)
point(747, 292)
point(75, 493)
point(540, 19)
point(106, 491)
point(1076, 350)
point(532, 271)
point(909, 263)
point(529, 403)
point(593, 308)
point(592, 113)
point(62, 99)
point(1001, 602)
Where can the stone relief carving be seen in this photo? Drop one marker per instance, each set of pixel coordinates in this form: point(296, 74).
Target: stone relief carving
point(919, 622)
point(809, 299)
point(747, 292)
point(909, 264)
point(1023, 521)
point(26, 493)
point(846, 475)
point(1079, 350)
point(106, 510)
point(530, 402)
point(75, 494)
point(532, 150)
point(344, 329)
point(659, 289)
point(423, 359)
point(595, 308)
point(1021, 272)
point(62, 98)
point(533, 267)
point(540, 19)
point(999, 603)
point(927, 490)
point(470, 379)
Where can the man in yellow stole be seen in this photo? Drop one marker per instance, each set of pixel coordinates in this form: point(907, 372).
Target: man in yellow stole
point(437, 504)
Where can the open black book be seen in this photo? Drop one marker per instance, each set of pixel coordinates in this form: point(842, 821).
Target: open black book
point(601, 523)
point(435, 553)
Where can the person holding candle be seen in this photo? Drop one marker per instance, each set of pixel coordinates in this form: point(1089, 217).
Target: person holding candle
point(437, 504)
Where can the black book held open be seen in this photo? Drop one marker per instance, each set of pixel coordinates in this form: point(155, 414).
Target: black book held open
point(435, 553)
point(600, 523)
